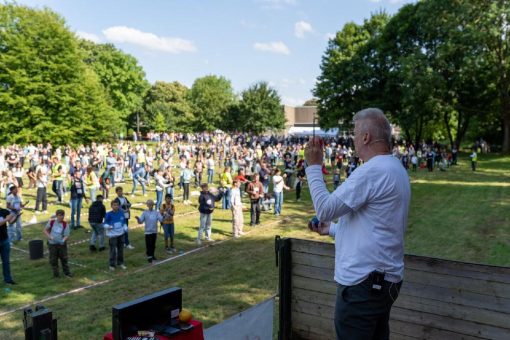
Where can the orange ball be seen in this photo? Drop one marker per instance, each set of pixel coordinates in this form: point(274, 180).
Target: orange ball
point(185, 316)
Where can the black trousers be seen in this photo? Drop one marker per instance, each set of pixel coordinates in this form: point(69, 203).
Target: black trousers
point(298, 191)
point(150, 246)
point(185, 195)
point(255, 212)
point(116, 250)
point(58, 251)
point(361, 314)
point(41, 197)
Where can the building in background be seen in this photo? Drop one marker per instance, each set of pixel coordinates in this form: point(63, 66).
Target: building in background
point(300, 122)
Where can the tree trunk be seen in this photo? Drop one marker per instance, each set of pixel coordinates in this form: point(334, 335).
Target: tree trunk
point(462, 127)
point(446, 118)
point(505, 115)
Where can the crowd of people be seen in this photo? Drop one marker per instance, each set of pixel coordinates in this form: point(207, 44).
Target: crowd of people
point(256, 169)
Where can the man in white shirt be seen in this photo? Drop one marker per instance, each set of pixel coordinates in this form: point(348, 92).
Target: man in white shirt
point(367, 216)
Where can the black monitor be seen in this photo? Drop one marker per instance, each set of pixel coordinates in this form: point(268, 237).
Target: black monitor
point(145, 312)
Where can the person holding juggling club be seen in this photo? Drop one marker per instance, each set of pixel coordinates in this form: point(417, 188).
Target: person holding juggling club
point(367, 217)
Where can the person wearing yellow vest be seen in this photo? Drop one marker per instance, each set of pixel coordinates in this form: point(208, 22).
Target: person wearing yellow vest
point(226, 183)
point(57, 172)
point(91, 183)
point(474, 159)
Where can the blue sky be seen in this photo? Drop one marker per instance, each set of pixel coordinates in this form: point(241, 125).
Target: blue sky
point(278, 41)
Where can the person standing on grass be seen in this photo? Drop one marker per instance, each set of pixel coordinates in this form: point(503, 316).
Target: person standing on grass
point(474, 159)
point(226, 184)
point(97, 213)
point(115, 225)
point(57, 231)
point(206, 207)
point(256, 192)
point(41, 182)
point(125, 207)
point(160, 187)
point(370, 209)
point(186, 176)
point(14, 204)
point(237, 209)
point(278, 186)
point(151, 218)
point(77, 195)
point(6, 216)
point(58, 180)
point(106, 181)
point(92, 183)
point(210, 169)
point(300, 177)
point(167, 210)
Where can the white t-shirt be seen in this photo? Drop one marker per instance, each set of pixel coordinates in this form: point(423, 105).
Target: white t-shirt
point(14, 201)
point(374, 202)
point(278, 183)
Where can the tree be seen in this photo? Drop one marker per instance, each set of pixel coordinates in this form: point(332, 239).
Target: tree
point(211, 97)
point(259, 110)
point(171, 101)
point(349, 77)
point(47, 93)
point(121, 76)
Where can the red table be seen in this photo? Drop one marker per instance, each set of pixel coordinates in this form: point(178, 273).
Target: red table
point(196, 333)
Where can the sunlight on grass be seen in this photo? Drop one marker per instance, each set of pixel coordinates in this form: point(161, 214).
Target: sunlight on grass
point(13, 298)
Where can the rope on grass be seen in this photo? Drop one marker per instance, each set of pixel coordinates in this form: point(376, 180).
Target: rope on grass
point(96, 284)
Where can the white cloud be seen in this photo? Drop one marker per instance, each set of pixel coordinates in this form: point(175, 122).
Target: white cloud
point(88, 36)
point(396, 1)
point(274, 47)
point(123, 34)
point(375, 1)
point(302, 27)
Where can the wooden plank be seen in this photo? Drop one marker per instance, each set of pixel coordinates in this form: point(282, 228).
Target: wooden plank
point(448, 324)
point(315, 297)
point(406, 330)
point(313, 247)
point(483, 287)
point(325, 274)
point(323, 311)
point(458, 269)
point(302, 332)
point(452, 295)
point(455, 311)
point(328, 287)
point(466, 266)
point(313, 324)
point(313, 260)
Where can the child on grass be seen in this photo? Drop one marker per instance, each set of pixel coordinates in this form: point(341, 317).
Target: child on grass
point(57, 232)
point(167, 210)
point(151, 218)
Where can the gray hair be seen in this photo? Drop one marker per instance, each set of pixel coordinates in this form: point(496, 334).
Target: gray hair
point(373, 121)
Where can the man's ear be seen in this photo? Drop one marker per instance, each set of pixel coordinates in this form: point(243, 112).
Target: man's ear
point(365, 138)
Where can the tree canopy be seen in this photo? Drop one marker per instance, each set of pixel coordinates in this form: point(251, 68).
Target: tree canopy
point(47, 92)
point(438, 68)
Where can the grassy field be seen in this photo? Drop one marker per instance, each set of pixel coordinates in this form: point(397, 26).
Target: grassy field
point(455, 214)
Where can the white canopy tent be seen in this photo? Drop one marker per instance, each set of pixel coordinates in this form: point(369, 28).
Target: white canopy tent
point(302, 131)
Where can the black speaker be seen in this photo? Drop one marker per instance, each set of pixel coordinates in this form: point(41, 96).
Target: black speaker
point(39, 324)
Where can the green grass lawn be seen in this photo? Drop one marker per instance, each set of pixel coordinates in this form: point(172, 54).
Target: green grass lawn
point(455, 214)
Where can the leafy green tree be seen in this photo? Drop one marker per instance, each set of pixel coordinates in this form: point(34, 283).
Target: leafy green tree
point(47, 92)
point(171, 101)
point(259, 110)
point(211, 97)
point(120, 74)
point(349, 77)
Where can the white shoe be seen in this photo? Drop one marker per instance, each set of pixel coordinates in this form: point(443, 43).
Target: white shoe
point(37, 212)
point(123, 266)
point(209, 239)
point(130, 247)
point(199, 242)
point(112, 268)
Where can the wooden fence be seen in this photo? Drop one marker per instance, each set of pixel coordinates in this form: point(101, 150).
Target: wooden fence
point(439, 299)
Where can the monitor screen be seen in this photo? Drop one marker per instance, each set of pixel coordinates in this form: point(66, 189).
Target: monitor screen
point(145, 312)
